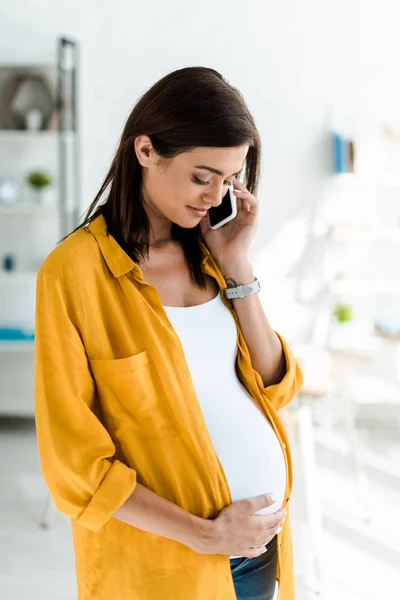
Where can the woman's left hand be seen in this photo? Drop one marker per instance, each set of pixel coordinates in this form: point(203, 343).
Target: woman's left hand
point(231, 242)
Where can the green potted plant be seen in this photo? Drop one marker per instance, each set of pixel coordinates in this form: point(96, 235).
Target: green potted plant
point(38, 181)
point(343, 312)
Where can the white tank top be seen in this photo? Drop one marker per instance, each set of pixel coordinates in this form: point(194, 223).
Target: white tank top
point(244, 440)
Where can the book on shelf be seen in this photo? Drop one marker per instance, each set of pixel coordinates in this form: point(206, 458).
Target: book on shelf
point(13, 333)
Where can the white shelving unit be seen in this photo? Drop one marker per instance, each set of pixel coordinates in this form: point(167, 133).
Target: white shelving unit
point(30, 230)
point(355, 215)
point(352, 257)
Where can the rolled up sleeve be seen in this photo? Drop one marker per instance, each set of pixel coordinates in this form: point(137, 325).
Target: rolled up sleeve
point(75, 449)
point(283, 392)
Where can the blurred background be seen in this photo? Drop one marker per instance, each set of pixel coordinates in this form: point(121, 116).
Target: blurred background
point(321, 80)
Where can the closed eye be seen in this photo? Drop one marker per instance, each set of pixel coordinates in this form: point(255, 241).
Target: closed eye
point(201, 182)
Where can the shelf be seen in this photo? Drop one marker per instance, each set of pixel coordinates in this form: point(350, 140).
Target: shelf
point(17, 277)
point(30, 209)
point(350, 291)
point(353, 232)
point(351, 286)
point(10, 135)
point(364, 180)
point(17, 346)
point(349, 234)
point(350, 342)
point(14, 135)
point(26, 208)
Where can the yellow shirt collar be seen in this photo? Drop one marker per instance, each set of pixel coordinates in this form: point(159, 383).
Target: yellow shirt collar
point(118, 261)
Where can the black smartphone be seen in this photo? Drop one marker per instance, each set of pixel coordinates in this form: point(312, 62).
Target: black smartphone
point(225, 212)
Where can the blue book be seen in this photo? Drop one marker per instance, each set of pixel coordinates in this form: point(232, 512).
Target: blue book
point(340, 153)
point(12, 334)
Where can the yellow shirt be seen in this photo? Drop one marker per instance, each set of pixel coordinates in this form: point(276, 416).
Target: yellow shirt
point(115, 404)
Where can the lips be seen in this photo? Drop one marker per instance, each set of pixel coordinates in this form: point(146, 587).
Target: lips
point(201, 212)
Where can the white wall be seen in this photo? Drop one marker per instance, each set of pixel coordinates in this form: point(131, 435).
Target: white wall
point(291, 59)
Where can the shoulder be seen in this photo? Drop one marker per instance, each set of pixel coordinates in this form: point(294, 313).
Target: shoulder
point(75, 256)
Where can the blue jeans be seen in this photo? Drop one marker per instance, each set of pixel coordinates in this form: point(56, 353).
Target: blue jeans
point(255, 578)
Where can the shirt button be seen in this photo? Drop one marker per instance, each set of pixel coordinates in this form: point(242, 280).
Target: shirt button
point(184, 376)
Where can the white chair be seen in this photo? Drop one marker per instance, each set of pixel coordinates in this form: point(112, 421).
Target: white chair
point(49, 513)
point(325, 371)
point(299, 421)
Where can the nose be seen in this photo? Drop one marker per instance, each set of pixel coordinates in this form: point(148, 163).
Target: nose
point(215, 195)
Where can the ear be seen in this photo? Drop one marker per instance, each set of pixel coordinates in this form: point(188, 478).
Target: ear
point(144, 150)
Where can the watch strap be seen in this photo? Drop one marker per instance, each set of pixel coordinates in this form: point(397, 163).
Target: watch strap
point(241, 291)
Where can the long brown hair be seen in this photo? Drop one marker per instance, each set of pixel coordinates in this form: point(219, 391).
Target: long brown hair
point(188, 108)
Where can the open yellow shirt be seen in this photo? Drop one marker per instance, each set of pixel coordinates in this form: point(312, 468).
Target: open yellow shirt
point(115, 404)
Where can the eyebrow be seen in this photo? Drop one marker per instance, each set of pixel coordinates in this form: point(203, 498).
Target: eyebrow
point(214, 170)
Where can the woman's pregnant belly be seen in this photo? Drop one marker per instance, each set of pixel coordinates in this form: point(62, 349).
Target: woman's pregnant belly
point(246, 444)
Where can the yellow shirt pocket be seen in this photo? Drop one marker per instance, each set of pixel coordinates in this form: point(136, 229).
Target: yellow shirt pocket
point(134, 402)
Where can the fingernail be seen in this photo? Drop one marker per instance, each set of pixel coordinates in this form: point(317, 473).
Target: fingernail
point(272, 496)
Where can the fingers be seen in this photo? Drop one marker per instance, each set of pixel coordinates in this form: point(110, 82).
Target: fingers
point(258, 502)
point(241, 203)
point(259, 542)
point(238, 184)
point(279, 518)
point(248, 201)
point(241, 192)
point(272, 527)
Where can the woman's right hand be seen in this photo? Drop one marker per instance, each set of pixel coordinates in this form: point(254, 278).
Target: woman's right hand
point(237, 528)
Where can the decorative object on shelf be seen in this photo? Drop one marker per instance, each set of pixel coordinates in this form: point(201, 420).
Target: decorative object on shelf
point(10, 190)
point(388, 329)
point(26, 90)
point(34, 119)
point(344, 154)
point(38, 181)
point(9, 262)
point(343, 312)
point(15, 333)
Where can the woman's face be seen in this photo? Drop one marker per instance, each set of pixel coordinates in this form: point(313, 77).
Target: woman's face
point(173, 191)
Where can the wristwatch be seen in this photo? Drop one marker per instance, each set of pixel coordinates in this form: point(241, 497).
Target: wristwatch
point(241, 291)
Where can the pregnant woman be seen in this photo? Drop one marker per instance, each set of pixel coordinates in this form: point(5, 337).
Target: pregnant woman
point(158, 378)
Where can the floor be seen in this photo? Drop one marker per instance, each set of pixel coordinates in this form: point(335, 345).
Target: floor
point(359, 560)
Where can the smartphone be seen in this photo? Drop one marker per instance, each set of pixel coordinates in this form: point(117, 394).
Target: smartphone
point(225, 212)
